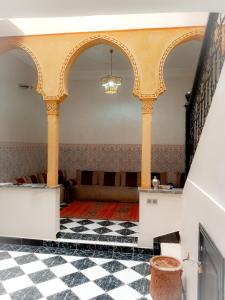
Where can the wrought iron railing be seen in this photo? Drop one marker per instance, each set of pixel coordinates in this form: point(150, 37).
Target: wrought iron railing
point(210, 64)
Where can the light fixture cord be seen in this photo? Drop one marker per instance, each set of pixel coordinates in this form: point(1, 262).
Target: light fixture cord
point(111, 52)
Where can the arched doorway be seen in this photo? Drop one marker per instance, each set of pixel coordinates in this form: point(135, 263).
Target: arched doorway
point(101, 137)
point(23, 133)
point(169, 111)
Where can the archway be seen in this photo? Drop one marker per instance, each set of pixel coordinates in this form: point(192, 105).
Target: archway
point(101, 134)
point(179, 72)
point(9, 46)
point(23, 118)
point(197, 35)
point(92, 41)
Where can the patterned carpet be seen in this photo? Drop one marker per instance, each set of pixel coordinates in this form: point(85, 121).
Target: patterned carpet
point(102, 211)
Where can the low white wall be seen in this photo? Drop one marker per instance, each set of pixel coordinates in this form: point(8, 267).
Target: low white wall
point(199, 208)
point(29, 212)
point(204, 193)
point(158, 219)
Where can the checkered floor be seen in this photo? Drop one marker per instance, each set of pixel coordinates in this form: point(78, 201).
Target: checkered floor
point(115, 228)
point(32, 276)
point(98, 230)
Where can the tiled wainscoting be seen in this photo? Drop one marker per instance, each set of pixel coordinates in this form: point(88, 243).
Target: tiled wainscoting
point(21, 159)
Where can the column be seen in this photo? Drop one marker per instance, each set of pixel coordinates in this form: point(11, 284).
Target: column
point(53, 142)
point(146, 155)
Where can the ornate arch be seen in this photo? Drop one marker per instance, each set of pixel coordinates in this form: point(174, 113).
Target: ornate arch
point(92, 41)
point(20, 45)
point(191, 35)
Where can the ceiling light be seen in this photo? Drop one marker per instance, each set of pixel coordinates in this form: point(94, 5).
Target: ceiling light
point(110, 82)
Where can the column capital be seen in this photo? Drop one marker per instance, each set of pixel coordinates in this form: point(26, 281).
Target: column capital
point(53, 107)
point(147, 105)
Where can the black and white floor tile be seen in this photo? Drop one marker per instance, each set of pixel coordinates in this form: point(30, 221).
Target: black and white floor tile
point(99, 231)
point(32, 276)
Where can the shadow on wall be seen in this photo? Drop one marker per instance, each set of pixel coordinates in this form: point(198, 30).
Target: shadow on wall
point(7, 28)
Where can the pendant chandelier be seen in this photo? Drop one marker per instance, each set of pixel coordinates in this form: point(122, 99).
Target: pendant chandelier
point(110, 82)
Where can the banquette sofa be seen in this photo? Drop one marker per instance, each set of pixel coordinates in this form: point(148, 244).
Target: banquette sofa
point(110, 186)
point(66, 186)
point(99, 185)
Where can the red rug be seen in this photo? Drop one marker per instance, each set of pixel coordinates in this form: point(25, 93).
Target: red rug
point(102, 211)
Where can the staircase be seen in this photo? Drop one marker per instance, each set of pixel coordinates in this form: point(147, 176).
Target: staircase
point(208, 71)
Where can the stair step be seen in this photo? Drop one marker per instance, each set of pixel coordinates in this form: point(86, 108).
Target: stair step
point(81, 249)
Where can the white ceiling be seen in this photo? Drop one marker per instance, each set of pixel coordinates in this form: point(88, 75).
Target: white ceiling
point(95, 62)
point(68, 8)
point(32, 26)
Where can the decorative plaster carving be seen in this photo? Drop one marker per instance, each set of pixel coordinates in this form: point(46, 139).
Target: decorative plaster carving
point(147, 105)
point(198, 33)
point(52, 107)
point(104, 38)
point(107, 38)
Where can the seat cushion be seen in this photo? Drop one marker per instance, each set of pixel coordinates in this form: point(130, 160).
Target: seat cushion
point(106, 193)
point(109, 178)
point(130, 179)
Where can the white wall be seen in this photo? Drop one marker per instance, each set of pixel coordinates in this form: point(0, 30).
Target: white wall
point(159, 218)
point(22, 112)
point(43, 205)
point(204, 193)
point(89, 116)
point(169, 111)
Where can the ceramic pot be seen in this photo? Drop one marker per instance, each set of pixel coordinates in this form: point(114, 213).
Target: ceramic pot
point(166, 281)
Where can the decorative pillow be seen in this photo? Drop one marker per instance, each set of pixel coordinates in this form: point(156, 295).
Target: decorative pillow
point(34, 178)
point(78, 176)
point(86, 177)
point(21, 180)
point(44, 175)
point(60, 177)
point(131, 179)
point(109, 178)
point(163, 178)
point(28, 179)
point(42, 178)
point(180, 180)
